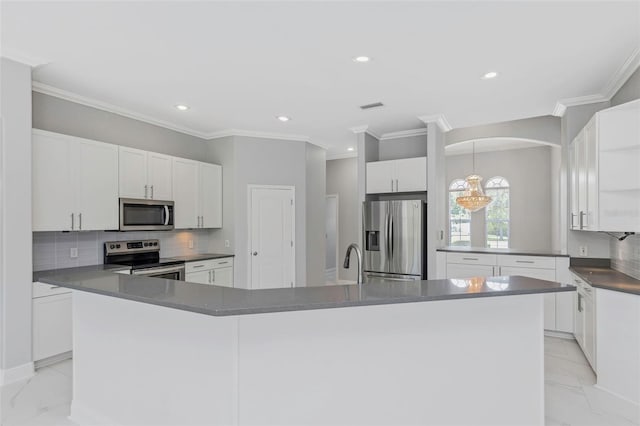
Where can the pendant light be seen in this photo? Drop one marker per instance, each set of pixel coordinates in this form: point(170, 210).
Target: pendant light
point(473, 198)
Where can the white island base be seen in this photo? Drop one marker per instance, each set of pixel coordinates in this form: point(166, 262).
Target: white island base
point(466, 361)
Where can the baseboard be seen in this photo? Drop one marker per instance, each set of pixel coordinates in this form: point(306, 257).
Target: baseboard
point(16, 374)
point(82, 415)
point(53, 359)
point(559, 334)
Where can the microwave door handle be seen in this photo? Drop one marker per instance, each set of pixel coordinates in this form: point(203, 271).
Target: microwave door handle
point(166, 215)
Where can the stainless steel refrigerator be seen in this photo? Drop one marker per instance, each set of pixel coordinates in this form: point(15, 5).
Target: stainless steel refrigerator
point(394, 240)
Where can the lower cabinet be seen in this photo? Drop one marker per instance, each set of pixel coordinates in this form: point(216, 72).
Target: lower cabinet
point(52, 329)
point(585, 320)
point(214, 271)
point(558, 307)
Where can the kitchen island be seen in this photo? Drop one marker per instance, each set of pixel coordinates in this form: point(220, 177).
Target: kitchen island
point(164, 352)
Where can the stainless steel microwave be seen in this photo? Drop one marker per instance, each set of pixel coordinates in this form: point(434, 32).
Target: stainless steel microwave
point(145, 215)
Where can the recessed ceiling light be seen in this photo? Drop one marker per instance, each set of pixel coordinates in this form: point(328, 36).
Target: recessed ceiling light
point(490, 75)
point(350, 148)
point(361, 59)
point(182, 107)
point(283, 118)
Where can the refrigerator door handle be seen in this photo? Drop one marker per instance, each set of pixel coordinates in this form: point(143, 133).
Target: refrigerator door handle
point(391, 236)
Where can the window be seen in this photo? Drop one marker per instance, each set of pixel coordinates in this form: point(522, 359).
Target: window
point(459, 218)
point(497, 213)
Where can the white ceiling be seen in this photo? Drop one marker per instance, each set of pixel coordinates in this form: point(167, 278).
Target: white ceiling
point(239, 64)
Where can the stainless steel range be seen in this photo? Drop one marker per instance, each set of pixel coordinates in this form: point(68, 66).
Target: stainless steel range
point(143, 256)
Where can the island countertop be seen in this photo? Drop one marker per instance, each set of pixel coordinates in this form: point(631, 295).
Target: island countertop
point(224, 301)
point(510, 251)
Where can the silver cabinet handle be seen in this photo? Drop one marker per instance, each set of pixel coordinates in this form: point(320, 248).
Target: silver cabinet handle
point(582, 215)
point(573, 216)
point(145, 191)
point(152, 192)
point(198, 266)
point(213, 275)
point(53, 287)
point(525, 261)
point(222, 263)
point(209, 277)
point(391, 185)
point(202, 222)
point(469, 258)
point(80, 220)
point(72, 221)
point(396, 185)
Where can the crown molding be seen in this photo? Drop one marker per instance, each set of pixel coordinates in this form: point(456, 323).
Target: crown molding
point(403, 134)
point(23, 58)
point(439, 119)
point(617, 80)
point(622, 74)
point(364, 129)
point(104, 106)
point(341, 156)
point(255, 134)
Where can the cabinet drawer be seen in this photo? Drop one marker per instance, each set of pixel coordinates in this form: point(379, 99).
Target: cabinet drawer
point(52, 326)
point(44, 290)
point(472, 258)
point(527, 261)
point(204, 265)
point(580, 283)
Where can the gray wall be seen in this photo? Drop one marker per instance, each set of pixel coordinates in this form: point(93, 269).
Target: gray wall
point(15, 217)
point(629, 91)
point(546, 129)
point(342, 179)
point(528, 173)
point(61, 116)
point(316, 159)
point(407, 147)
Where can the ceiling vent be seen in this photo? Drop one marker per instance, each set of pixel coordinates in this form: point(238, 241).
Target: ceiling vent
point(373, 105)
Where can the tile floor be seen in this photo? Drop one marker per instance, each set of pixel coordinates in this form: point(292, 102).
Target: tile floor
point(570, 397)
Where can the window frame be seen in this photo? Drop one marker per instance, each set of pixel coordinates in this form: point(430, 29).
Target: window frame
point(457, 186)
point(501, 184)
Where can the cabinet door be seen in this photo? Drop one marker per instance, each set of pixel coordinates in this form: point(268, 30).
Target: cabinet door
point(591, 165)
point(51, 326)
point(411, 174)
point(581, 164)
point(222, 277)
point(97, 183)
point(210, 195)
point(590, 330)
point(549, 299)
point(200, 277)
point(459, 270)
point(185, 193)
point(579, 320)
point(573, 182)
point(53, 193)
point(132, 174)
point(159, 176)
point(380, 177)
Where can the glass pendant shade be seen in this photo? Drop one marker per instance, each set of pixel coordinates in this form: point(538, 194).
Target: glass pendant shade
point(473, 198)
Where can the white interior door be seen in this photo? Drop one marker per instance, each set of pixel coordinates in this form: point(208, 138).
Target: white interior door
point(271, 233)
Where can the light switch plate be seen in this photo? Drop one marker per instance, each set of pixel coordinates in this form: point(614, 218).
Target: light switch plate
point(190, 243)
point(226, 243)
point(582, 251)
point(73, 252)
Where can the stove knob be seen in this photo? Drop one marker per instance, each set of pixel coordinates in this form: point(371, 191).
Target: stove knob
point(155, 244)
point(117, 245)
point(112, 246)
point(146, 244)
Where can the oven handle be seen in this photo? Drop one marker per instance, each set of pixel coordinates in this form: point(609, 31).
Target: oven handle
point(154, 271)
point(166, 214)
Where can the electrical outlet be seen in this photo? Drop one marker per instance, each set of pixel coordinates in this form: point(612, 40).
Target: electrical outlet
point(191, 244)
point(582, 250)
point(73, 252)
point(227, 243)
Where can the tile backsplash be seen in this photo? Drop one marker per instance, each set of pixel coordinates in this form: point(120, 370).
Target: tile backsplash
point(625, 256)
point(51, 250)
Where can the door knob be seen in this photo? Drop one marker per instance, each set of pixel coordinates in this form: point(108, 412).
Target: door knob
point(255, 253)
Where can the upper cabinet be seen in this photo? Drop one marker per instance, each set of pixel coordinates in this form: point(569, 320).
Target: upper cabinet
point(145, 174)
point(604, 174)
point(198, 194)
point(75, 183)
point(406, 175)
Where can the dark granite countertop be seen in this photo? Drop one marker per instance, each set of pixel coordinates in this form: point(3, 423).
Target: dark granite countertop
point(223, 301)
point(607, 278)
point(79, 269)
point(455, 249)
point(203, 256)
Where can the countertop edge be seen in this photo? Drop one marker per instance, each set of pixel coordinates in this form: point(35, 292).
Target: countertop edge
point(490, 251)
point(586, 277)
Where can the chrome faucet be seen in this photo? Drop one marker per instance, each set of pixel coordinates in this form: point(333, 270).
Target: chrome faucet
point(355, 247)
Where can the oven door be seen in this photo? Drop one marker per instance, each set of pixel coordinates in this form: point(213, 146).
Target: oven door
point(145, 215)
point(168, 272)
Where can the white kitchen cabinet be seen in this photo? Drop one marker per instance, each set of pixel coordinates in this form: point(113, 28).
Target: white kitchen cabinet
point(604, 176)
point(406, 175)
point(585, 319)
point(213, 271)
point(197, 189)
point(52, 332)
point(558, 307)
point(75, 183)
point(210, 194)
point(144, 174)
